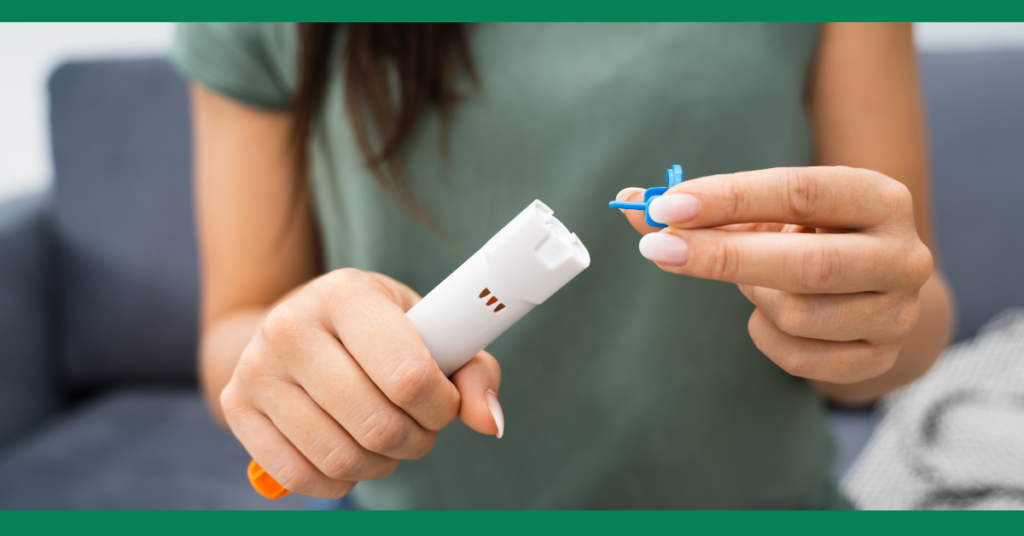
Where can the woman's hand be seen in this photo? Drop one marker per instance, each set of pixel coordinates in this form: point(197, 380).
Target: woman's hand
point(337, 387)
point(829, 255)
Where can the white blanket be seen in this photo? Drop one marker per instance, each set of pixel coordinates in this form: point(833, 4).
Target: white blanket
point(955, 438)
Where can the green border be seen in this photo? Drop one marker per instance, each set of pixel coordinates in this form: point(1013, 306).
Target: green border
point(519, 523)
point(490, 523)
point(521, 10)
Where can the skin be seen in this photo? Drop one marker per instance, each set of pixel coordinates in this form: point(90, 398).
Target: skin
point(837, 258)
point(294, 362)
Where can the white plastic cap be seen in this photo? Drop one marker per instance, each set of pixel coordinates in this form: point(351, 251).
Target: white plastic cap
point(535, 255)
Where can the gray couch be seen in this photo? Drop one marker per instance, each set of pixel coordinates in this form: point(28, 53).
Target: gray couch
point(98, 284)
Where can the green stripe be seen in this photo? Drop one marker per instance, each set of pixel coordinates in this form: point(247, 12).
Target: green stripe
point(496, 523)
point(519, 10)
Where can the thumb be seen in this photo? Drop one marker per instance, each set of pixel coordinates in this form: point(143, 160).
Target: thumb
point(478, 382)
point(636, 217)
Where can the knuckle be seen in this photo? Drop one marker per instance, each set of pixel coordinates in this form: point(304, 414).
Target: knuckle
point(346, 291)
point(409, 382)
point(444, 417)
point(803, 193)
point(796, 319)
point(383, 432)
point(820, 266)
point(723, 263)
point(296, 477)
point(282, 327)
point(906, 318)
point(737, 201)
point(340, 464)
point(232, 403)
point(920, 262)
point(253, 368)
point(897, 196)
point(422, 448)
point(344, 277)
point(341, 491)
point(342, 282)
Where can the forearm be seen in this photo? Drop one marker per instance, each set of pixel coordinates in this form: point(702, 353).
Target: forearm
point(256, 232)
point(922, 347)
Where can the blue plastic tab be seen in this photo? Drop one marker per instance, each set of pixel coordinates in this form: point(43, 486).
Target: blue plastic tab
point(627, 205)
point(673, 176)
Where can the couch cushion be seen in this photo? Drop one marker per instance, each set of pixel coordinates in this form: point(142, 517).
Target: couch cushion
point(132, 449)
point(976, 118)
point(28, 385)
point(122, 162)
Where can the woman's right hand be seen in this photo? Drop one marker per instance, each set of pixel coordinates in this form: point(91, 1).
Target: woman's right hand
point(337, 387)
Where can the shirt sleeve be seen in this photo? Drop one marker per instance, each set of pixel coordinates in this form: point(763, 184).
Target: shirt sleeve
point(241, 61)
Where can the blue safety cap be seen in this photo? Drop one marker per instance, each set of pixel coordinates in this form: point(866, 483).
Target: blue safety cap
point(673, 176)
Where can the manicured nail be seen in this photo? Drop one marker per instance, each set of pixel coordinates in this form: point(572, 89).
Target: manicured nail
point(674, 208)
point(664, 248)
point(626, 193)
point(496, 414)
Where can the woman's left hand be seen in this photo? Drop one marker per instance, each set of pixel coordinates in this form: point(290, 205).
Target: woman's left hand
point(829, 255)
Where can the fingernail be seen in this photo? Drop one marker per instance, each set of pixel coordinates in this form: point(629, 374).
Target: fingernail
point(674, 208)
point(664, 248)
point(496, 414)
point(625, 194)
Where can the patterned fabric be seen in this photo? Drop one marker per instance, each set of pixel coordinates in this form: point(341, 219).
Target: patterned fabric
point(954, 439)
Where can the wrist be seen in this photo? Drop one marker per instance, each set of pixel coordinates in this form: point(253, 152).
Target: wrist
point(221, 344)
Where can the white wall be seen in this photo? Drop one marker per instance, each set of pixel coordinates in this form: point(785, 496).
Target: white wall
point(28, 52)
point(953, 36)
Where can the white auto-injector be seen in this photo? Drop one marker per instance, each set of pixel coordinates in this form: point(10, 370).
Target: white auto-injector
point(516, 270)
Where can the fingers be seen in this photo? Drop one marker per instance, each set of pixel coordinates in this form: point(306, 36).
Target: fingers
point(871, 316)
point(828, 197)
point(636, 217)
point(830, 361)
point(278, 457)
point(319, 437)
point(334, 380)
point(479, 411)
point(362, 310)
point(794, 262)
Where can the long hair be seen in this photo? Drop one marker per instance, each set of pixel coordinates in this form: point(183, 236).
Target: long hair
point(422, 58)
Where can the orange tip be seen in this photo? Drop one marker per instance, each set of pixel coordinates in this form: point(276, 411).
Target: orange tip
point(264, 483)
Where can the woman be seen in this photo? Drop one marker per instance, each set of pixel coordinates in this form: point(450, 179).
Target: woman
point(326, 208)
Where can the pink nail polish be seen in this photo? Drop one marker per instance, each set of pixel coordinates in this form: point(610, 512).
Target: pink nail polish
point(664, 248)
point(496, 414)
point(674, 208)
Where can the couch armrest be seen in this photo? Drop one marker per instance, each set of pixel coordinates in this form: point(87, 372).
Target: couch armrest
point(28, 379)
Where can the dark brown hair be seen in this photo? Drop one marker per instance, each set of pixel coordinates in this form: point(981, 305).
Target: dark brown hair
point(423, 58)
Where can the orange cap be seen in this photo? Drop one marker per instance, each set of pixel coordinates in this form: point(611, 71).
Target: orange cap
point(264, 483)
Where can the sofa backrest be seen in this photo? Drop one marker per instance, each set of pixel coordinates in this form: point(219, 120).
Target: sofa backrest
point(976, 122)
point(123, 222)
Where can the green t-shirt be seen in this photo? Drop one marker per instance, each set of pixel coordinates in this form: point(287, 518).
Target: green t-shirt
point(631, 387)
